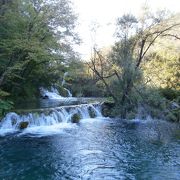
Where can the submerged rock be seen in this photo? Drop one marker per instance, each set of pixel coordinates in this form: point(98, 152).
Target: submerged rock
point(23, 125)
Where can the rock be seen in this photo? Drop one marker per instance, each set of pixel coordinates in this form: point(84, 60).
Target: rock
point(107, 107)
point(91, 112)
point(45, 97)
point(106, 112)
point(75, 118)
point(108, 104)
point(63, 92)
point(23, 125)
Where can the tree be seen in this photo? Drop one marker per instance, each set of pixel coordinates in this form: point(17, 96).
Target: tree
point(35, 38)
point(136, 37)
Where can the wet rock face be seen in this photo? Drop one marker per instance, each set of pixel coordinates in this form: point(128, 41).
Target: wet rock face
point(23, 125)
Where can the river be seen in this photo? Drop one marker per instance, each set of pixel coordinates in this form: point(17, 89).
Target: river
point(94, 149)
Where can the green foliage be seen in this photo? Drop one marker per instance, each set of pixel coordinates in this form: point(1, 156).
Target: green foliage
point(139, 69)
point(5, 106)
point(82, 83)
point(162, 65)
point(174, 115)
point(62, 91)
point(109, 99)
point(33, 51)
point(169, 94)
point(128, 77)
point(155, 104)
point(3, 93)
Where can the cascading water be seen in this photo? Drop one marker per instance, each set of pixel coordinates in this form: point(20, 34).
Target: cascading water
point(48, 118)
point(68, 91)
point(64, 81)
point(53, 92)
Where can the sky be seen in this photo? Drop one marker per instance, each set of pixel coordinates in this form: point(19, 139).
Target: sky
point(102, 14)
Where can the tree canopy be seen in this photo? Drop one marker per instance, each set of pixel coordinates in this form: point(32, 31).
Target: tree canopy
point(36, 39)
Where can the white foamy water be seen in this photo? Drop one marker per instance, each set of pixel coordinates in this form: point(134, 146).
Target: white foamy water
point(48, 130)
point(53, 94)
point(49, 121)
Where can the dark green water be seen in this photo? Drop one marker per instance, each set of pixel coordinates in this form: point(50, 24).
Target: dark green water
point(95, 149)
point(50, 103)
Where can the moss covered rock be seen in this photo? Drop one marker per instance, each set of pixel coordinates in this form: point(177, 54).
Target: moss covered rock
point(92, 113)
point(106, 112)
point(107, 108)
point(75, 118)
point(23, 125)
point(63, 92)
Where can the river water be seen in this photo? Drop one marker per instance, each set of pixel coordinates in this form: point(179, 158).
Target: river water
point(94, 149)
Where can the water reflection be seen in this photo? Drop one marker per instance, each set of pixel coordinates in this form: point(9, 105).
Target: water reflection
point(50, 103)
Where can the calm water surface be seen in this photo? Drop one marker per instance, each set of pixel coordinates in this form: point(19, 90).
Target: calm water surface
point(94, 149)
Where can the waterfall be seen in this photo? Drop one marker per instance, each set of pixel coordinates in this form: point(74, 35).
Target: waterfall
point(53, 94)
point(69, 93)
point(49, 117)
point(63, 81)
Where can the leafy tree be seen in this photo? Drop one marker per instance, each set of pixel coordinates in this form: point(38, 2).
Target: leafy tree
point(36, 37)
point(136, 37)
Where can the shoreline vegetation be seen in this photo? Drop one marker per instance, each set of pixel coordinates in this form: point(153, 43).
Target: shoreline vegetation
point(138, 75)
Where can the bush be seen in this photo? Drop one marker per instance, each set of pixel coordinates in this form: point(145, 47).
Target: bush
point(5, 105)
point(169, 94)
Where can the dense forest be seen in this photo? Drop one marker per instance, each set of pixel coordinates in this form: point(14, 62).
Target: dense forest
point(36, 39)
point(139, 74)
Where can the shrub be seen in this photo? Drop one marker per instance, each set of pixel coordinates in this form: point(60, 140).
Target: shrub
point(5, 105)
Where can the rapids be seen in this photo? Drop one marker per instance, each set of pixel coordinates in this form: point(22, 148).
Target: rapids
point(94, 149)
point(74, 141)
